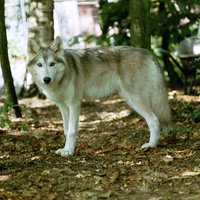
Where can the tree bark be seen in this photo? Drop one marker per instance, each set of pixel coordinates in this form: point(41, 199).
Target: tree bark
point(173, 76)
point(40, 27)
point(140, 33)
point(40, 21)
point(5, 64)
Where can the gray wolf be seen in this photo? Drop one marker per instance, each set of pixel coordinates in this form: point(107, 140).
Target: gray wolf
point(67, 76)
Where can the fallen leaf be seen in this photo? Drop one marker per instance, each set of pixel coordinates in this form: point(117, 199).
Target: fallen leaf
point(135, 177)
point(190, 173)
point(105, 194)
point(126, 143)
point(114, 176)
point(168, 159)
point(161, 175)
point(45, 172)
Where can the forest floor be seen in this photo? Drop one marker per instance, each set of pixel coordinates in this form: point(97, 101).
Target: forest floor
point(108, 162)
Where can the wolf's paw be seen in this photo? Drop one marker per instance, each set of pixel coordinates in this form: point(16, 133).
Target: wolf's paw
point(64, 152)
point(147, 145)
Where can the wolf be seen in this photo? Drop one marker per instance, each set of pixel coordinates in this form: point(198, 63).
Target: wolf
point(67, 76)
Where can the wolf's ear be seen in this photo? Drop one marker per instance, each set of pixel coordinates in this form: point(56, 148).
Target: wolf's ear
point(33, 48)
point(57, 45)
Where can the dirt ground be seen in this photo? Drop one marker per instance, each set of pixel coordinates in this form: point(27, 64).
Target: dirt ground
point(108, 162)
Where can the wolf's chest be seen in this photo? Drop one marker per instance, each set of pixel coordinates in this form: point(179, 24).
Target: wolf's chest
point(59, 94)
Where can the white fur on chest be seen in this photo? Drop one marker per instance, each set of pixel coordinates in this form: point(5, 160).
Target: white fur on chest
point(59, 94)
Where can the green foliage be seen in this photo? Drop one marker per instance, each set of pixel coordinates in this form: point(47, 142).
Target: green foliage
point(195, 117)
point(197, 60)
point(4, 119)
point(166, 18)
point(170, 22)
point(180, 130)
point(115, 22)
point(186, 112)
point(5, 112)
point(114, 19)
point(24, 126)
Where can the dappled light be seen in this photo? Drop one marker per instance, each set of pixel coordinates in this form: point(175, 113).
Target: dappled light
point(180, 96)
point(4, 177)
point(108, 161)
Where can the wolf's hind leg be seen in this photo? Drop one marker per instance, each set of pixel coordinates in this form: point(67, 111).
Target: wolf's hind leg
point(154, 127)
point(143, 107)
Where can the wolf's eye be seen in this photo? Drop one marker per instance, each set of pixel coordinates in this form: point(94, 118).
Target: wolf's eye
point(39, 65)
point(52, 64)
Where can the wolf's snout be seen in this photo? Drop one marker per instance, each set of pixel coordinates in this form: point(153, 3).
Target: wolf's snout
point(47, 80)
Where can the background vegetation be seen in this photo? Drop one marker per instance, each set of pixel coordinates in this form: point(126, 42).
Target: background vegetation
point(169, 23)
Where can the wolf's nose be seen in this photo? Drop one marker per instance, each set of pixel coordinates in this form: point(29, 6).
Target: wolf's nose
point(47, 80)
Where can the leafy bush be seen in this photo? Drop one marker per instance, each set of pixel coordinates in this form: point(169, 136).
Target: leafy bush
point(4, 119)
point(5, 112)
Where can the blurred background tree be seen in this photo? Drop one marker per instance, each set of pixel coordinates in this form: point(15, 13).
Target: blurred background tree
point(40, 21)
point(41, 28)
point(140, 18)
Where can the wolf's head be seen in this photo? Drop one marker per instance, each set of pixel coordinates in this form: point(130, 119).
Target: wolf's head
point(46, 64)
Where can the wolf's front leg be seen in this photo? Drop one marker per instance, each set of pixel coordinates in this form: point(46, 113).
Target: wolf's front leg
point(70, 115)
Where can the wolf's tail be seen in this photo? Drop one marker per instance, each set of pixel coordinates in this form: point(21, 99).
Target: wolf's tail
point(161, 108)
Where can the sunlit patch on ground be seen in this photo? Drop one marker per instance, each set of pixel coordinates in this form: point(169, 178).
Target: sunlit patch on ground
point(108, 162)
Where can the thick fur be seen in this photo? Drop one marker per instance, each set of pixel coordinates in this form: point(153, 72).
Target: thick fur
point(68, 76)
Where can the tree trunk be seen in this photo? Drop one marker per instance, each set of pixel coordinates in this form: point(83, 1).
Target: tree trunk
point(41, 28)
point(40, 21)
point(173, 76)
point(140, 34)
point(5, 64)
point(175, 81)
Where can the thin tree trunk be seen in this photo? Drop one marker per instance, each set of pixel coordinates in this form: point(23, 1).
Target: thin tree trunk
point(40, 27)
point(140, 33)
point(5, 64)
point(173, 76)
